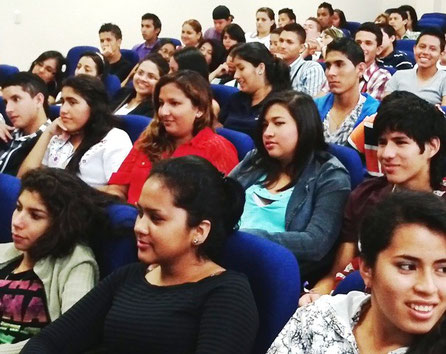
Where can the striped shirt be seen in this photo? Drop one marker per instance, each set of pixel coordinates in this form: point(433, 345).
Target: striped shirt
point(307, 76)
point(374, 81)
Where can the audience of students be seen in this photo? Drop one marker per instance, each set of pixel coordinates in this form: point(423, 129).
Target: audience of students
point(222, 18)
point(191, 33)
point(402, 250)
point(374, 79)
point(295, 190)
point(178, 299)
point(182, 125)
point(110, 38)
point(48, 266)
point(265, 23)
point(388, 56)
point(83, 140)
point(344, 107)
point(425, 80)
point(150, 30)
point(258, 73)
point(26, 99)
point(138, 100)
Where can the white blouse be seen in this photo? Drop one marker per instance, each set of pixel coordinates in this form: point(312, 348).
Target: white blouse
point(98, 163)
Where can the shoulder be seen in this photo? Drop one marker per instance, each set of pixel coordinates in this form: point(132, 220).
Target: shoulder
point(116, 133)
point(8, 252)
point(329, 167)
point(370, 105)
point(324, 101)
point(231, 283)
point(80, 254)
point(371, 188)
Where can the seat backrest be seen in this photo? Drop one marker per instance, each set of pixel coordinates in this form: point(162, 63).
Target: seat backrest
point(131, 56)
point(74, 55)
point(6, 71)
point(432, 22)
point(54, 111)
point(176, 42)
point(273, 274)
point(134, 125)
point(242, 142)
point(352, 26)
point(222, 93)
point(3, 111)
point(9, 192)
point(410, 56)
point(112, 85)
point(351, 160)
point(351, 282)
point(405, 45)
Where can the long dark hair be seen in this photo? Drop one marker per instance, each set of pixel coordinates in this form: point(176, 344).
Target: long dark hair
point(310, 136)
point(190, 58)
point(100, 122)
point(102, 65)
point(277, 72)
point(55, 85)
point(218, 53)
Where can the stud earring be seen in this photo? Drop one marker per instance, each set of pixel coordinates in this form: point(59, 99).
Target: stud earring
point(195, 241)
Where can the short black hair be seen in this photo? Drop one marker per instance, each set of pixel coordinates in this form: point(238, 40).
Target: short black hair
point(372, 28)
point(289, 12)
point(413, 15)
point(298, 30)
point(30, 83)
point(349, 48)
point(399, 11)
point(398, 209)
point(110, 27)
point(435, 33)
point(190, 58)
point(405, 112)
point(326, 5)
point(155, 19)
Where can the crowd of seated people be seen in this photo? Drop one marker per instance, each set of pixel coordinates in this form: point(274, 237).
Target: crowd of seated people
point(303, 92)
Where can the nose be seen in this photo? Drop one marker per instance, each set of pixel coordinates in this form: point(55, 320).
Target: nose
point(268, 131)
point(163, 110)
point(388, 151)
point(331, 71)
point(64, 108)
point(17, 220)
point(426, 283)
point(141, 226)
point(9, 108)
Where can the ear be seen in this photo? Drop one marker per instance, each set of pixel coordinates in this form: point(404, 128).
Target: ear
point(392, 38)
point(366, 273)
point(39, 98)
point(433, 146)
point(199, 114)
point(200, 232)
point(157, 30)
point(361, 68)
point(261, 69)
point(119, 41)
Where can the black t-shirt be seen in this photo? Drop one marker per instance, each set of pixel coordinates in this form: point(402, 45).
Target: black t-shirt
point(23, 305)
point(121, 68)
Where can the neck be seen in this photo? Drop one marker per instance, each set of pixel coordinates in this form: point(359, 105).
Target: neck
point(139, 98)
point(37, 123)
point(387, 51)
point(260, 94)
point(76, 139)
point(26, 264)
point(262, 34)
point(291, 60)
point(426, 73)
point(188, 268)
point(421, 184)
point(183, 140)
point(370, 63)
point(151, 42)
point(400, 33)
point(347, 100)
point(114, 58)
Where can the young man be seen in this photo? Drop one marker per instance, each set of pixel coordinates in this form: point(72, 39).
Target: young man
point(26, 100)
point(325, 15)
point(222, 17)
point(286, 16)
point(398, 20)
point(388, 56)
point(306, 76)
point(426, 81)
point(110, 38)
point(374, 79)
point(312, 28)
point(150, 30)
point(411, 152)
point(344, 107)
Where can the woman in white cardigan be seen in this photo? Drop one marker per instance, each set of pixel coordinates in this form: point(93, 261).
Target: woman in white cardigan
point(48, 267)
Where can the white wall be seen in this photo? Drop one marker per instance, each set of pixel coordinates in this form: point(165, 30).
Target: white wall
point(60, 25)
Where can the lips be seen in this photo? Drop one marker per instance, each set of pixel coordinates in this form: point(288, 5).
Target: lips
point(421, 311)
point(389, 168)
point(269, 145)
point(142, 245)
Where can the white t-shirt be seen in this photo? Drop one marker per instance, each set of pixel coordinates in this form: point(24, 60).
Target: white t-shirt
point(98, 163)
point(252, 37)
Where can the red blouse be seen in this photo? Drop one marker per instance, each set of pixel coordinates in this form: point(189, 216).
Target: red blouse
point(136, 167)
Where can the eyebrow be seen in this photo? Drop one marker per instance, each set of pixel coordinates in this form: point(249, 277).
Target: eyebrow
point(416, 259)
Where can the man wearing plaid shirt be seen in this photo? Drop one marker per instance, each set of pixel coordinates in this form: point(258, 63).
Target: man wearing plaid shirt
point(26, 99)
point(374, 78)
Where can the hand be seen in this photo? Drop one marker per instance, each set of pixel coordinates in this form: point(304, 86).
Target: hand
point(222, 69)
point(5, 130)
point(106, 50)
point(308, 298)
point(57, 128)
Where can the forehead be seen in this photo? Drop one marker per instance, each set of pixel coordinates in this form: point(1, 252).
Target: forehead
point(365, 36)
point(171, 90)
point(396, 15)
point(148, 66)
point(168, 46)
point(335, 56)
point(284, 15)
point(14, 91)
point(262, 14)
point(310, 23)
point(277, 110)
point(188, 27)
point(32, 199)
point(289, 35)
point(49, 62)
point(68, 91)
point(147, 22)
point(220, 20)
point(207, 45)
point(392, 134)
point(106, 35)
point(429, 40)
point(87, 61)
point(322, 11)
point(155, 194)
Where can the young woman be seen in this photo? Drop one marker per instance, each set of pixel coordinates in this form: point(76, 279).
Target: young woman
point(178, 299)
point(165, 47)
point(231, 35)
point(265, 23)
point(258, 73)
point(138, 100)
point(339, 20)
point(403, 253)
point(191, 33)
point(48, 267)
point(213, 52)
point(83, 140)
point(224, 74)
point(50, 67)
point(295, 190)
point(92, 64)
point(412, 17)
point(182, 125)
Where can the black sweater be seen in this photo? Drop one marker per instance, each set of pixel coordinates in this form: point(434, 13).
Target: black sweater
point(129, 315)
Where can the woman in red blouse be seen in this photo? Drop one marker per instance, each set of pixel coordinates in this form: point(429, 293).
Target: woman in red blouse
point(182, 126)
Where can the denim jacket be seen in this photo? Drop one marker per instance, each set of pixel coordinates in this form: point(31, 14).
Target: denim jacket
point(314, 212)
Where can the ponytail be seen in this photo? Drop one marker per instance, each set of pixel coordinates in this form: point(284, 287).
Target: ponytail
point(233, 204)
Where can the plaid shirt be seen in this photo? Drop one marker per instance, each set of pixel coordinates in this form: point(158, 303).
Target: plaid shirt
point(374, 81)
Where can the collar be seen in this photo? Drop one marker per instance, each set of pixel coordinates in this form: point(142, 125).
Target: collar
point(18, 134)
point(298, 62)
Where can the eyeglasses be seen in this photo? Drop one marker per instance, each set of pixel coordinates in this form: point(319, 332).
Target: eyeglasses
point(47, 68)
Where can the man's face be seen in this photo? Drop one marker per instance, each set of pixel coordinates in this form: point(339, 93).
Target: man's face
point(397, 22)
point(220, 24)
point(21, 108)
point(284, 20)
point(290, 46)
point(342, 74)
point(311, 29)
point(324, 18)
point(110, 46)
point(148, 30)
point(387, 42)
point(369, 45)
point(427, 51)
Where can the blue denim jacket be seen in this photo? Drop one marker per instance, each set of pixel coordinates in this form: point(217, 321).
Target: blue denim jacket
point(314, 213)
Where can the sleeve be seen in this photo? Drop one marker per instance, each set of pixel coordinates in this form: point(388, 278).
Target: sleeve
point(46, 156)
point(116, 150)
point(81, 326)
point(229, 320)
point(443, 87)
point(124, 173)
point(323, 228)
point(356, 138)
point(314, 80)
point(223, 155)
